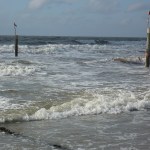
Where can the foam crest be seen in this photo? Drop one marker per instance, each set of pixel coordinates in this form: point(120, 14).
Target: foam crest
point(6, 48)
point(111, 102)
point(8, 104)
point(15, 70)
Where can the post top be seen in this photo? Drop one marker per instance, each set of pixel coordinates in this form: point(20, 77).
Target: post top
point(148, 30)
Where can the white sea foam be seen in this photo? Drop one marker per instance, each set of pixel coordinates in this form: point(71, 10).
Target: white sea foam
point(17, 69)
point(113, 102)
point(8, 104)
point(6, 48)
point(54, 48)
point(4, 102)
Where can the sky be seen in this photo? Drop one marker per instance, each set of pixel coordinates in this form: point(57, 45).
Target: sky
point(100, 18)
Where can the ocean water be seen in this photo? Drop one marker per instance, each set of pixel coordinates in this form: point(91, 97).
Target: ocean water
point(74, 93)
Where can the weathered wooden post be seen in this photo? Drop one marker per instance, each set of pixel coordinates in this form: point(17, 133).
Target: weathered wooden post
point(147, 54)
point(16, 41)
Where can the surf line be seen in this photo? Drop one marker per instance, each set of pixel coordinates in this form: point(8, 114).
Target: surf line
point(9, 132)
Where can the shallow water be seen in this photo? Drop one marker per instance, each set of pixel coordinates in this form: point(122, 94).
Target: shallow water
point(106, 132)
point(74, 93)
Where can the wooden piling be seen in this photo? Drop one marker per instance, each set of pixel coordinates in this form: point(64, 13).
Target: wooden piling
point(147, 55)
point(16, 45)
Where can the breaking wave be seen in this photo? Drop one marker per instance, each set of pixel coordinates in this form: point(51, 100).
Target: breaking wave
point(48, 48)
point(111, 103)
point(107, 101)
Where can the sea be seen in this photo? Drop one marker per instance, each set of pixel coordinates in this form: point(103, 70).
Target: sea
point(74, 93)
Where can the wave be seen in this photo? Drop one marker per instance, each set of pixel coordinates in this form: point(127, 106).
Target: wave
point(102, 42)
point(90, 42)
point(48, 48)
point(34, 40)
point(117, 102)
point(106, 101)
point(18, 68)
point(66, 41)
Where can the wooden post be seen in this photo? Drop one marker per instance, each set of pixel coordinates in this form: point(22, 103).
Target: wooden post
point(147, 48)
point(16, 45)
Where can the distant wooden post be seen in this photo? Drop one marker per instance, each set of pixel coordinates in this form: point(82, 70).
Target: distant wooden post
point(16, 45)
point(16, 41)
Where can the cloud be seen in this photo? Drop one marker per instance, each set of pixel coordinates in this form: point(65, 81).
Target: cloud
point(139, 6)
point(104, 6)
point(35, 4)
